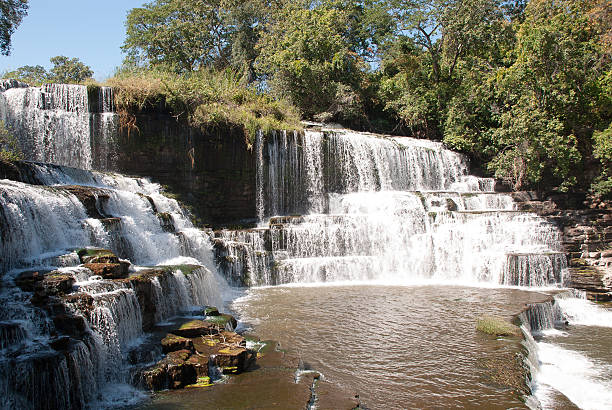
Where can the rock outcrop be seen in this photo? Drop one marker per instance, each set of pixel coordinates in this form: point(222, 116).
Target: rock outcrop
point(586, 226)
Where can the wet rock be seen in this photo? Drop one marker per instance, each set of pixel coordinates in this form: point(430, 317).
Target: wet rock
point(142, 284)
point(166, 221)
point(27, 281)
point(110, 270)
point(91, 198)
point(70, 324)
point(200, 363)
point(232, 359)
point(224, 321)
point(172, 343)
point(451, 205)
point(97, 255)
point(61, 343)
point(56, 283)
point(196, 328)
point(173, 372)
point(211, 311)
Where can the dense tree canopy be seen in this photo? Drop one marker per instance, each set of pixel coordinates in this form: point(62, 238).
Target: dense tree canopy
point(11, 14)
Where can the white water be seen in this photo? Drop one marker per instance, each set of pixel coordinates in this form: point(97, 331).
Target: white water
point(574, 361)
point(45, 224)
point(54, 123)
point(386, 209)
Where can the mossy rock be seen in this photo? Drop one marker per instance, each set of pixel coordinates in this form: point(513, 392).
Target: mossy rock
point(223, 321)
point(496, 326)
point(211, 311)
point(173, 343)
point(86, 255)
point(195, 328)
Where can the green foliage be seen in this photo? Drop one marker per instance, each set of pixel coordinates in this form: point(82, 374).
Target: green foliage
point(547, 95)
point(9, 147)
point(11, 14)
point(206, 99)
point(316, 56)
point(68, 70)
point(65, 70)
point(603, 152)
point(33, 75)
point(179, 34)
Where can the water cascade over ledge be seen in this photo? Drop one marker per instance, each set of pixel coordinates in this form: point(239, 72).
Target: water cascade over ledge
point(343, 206)
point(57, 123)
point(70, 336)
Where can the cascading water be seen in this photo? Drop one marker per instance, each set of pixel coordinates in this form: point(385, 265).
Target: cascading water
point(568, 343)
point(384, 209)
point(57, 360)
point(56, 123)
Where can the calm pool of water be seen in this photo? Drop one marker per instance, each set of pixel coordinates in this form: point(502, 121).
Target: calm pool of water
point(397, 347)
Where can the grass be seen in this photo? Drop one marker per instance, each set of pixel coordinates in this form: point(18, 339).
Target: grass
point(496, 326)
point(206, 99)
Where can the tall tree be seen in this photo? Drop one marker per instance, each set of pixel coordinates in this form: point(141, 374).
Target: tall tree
point(11, 14)
point(316, 54)
point(68, 70)
point(179, 34)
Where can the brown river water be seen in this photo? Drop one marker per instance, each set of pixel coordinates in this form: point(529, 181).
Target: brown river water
point(397, 347)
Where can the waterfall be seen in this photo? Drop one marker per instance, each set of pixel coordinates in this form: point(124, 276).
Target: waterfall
point(75, 351)
point(338, 205)
point(50, 122)
point(559, 363)
point(60, 124)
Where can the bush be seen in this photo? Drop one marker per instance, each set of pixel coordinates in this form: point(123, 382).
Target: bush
point(9, 147)
point(206, 99)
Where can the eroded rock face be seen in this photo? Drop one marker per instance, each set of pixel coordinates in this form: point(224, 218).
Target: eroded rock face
point(586, 226)
point(172, 343)
point(171, 373)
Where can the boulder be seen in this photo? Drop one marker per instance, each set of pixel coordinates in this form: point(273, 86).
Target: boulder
point(173, 372)
point(110, 270)
point(56, 283)
point(27, 281)
point(172, 343)
point(224, 321)
point(195, 328)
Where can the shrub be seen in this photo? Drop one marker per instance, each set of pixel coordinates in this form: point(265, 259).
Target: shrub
point(9, 147)
point(206, 99)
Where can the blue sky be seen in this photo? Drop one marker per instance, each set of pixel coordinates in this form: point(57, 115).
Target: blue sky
point(92, 31)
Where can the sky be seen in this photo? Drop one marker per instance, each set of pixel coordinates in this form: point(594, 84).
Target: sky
point(92, 31)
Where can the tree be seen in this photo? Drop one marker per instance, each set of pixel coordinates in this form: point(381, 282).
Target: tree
point(442, 49)
point(11, 14)
point(316, 54)
point(68, 70)
point(180, 34)
point(552, 97)
point(33, 75)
